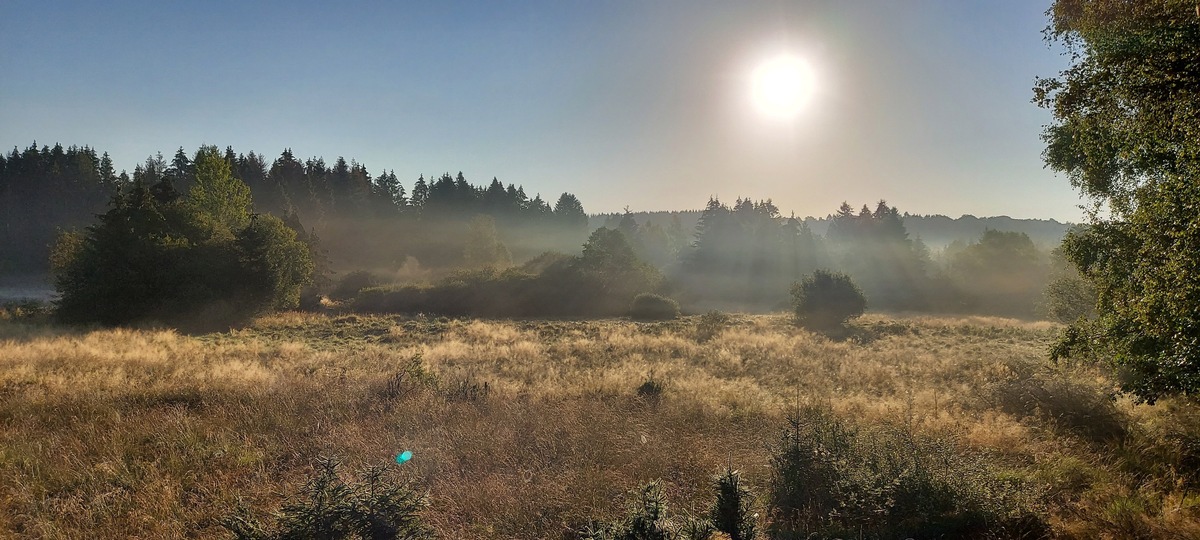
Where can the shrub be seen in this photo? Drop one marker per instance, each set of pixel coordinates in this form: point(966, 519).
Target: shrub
point(349, 286)
point(732, 513)
point(413, 379)
point(712, 323)
point(827, 300)
point(1075, 404)
point(647, 519)
point(376, 506)
point(832, 480)
point(653, 307)
point(1068, 298)
point(651, 390)
point(155, 258)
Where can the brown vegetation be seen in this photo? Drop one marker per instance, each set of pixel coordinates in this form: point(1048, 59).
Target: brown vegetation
point(531, 429)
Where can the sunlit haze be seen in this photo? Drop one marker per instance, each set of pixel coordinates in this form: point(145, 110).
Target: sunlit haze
point(646, 105)
point(782, 86)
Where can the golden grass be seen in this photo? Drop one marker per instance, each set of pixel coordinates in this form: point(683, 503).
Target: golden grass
point(116, 433)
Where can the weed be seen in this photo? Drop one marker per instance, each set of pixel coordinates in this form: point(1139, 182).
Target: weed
point(468, 390)
point(651, 390)
point(413, 379)
point(711, 324)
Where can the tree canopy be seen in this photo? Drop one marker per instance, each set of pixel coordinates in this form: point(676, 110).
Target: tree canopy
point(1126, 133)
point(199, 262)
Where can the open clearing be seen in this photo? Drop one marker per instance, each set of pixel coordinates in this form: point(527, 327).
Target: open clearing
point(527, 429)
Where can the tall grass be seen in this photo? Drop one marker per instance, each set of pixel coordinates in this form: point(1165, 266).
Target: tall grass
point(532, 429)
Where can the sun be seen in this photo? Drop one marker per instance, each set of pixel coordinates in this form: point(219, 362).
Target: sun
point(782, 86)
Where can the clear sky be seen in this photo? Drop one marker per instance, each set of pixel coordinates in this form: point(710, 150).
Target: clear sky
point(644, 104)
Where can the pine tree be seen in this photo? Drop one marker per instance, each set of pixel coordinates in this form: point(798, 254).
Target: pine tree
point(219, 196)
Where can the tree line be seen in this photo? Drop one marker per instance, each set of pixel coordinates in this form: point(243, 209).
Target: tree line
point(360, 216)
point(362, 231)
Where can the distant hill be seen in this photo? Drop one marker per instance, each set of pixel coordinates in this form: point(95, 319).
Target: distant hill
point(936, 231)
point(939, 231)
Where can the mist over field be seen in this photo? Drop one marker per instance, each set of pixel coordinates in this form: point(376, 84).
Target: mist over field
point(616, 271)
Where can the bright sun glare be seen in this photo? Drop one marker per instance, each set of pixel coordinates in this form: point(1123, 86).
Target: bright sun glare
point(782, 86)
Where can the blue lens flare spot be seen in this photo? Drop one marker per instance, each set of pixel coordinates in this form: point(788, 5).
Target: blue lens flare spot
point(404, 456)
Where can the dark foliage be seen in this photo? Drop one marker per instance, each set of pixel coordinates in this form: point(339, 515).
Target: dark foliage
point(375, 506)
point(826, 300)
point(352, 283)
point(653, 307)
point(744, 255)
point(46, 190)
point(651, 389)
point(195, 262)
point(1002, 273)
point(1126, 132)
point(832, 480)
point(874, 248)
point(732, 513)
point(600, 282)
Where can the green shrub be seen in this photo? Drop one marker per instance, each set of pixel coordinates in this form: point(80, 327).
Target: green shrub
point(827, 300)
point(732, 513)
point(153, 257)
point(349, 286)
point(375, 506)
point(602, 282)
point(1074, 404)
point(646, 519)
point(1069, 298)
point(653, 307)
point(832, 480)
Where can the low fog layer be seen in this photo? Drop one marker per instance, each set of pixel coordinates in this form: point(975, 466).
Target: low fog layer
point(371, 230)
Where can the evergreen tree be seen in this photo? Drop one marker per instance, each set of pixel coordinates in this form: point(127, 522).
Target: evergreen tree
point(569, 212)
point(216, 193)
point(420, 193)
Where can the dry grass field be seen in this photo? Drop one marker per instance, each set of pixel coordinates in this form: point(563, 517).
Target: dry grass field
point(528, 429)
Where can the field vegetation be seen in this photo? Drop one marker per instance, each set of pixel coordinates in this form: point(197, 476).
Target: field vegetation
point(544, 429)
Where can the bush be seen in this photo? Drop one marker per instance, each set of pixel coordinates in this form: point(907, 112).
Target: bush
point(732, 513)
point(647, 519)
point(711, 324)
point(653, 307)
point(651, 390)
point(827, 300)
point(1069, 298)
point(832, 480)
point(601, 282)
point(1081, 406)
point(375, 507)
point(349, 286)
point(153, 257)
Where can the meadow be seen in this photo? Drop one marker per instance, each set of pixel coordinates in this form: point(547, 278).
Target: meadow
point(531, 429)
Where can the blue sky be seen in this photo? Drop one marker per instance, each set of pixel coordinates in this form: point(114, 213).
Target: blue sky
point(624, 103)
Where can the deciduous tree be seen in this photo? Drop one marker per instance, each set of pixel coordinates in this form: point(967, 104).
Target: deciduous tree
point(1126, 133)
